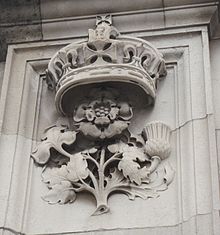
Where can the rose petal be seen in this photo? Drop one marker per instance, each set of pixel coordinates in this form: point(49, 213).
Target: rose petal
point(80, 113)
point(90, 115)
point(88, 129)
point(115, 128)
point(125, 111)
point(113, 113)
point(102, 121)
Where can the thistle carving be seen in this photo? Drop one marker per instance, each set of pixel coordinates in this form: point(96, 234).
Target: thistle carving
point(93, 150)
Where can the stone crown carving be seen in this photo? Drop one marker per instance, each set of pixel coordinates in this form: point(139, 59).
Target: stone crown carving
point(92, 150)
point(106, 56)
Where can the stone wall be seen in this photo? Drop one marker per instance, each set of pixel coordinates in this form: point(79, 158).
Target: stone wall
point(214, 58)
point(186, 100)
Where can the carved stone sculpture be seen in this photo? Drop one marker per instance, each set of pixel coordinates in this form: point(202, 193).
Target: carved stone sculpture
point(93, 150)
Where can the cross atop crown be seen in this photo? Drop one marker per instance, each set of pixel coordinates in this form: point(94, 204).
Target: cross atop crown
point(107, 19)
point(104, 29)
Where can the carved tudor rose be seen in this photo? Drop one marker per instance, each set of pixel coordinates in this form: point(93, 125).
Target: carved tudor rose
point(95, 152)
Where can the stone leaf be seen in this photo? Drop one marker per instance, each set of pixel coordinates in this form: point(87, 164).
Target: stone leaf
point(54, 137)
point(136, 140)
point(53, 176)
point(132, 140)
point(115, 178)
point(117, 147)
point(58, 160)
point(141, 192)
point(77, 168)
point(162, 177)
point(114, 148)
point(92, 150)
point(61, 190)
point(116, 181)
point(61, 193)
point(131, 168)
point(169, 174)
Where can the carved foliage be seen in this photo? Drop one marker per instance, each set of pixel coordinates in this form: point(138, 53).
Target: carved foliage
point(96, 152)
point(54, 137)
point(126, 163)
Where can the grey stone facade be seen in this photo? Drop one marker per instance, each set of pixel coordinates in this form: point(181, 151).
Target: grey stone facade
point(177, 125)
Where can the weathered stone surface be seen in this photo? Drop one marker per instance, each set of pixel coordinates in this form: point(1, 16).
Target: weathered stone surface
point(44, 19)
point(107, 157)
point(185, 102)
point(69, 9)
point(20, 21)
point(2, 68)
point(19, 11)
point(215, 71)
point(16, 34)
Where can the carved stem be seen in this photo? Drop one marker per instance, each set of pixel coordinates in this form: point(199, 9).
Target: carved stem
point(94, 180)
point(62, 151)
point(101, 170)
point(102, 206)
point(87, 187)
point(154, 163)
point(88, 157)
point(101, 195)
point(113, 158)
